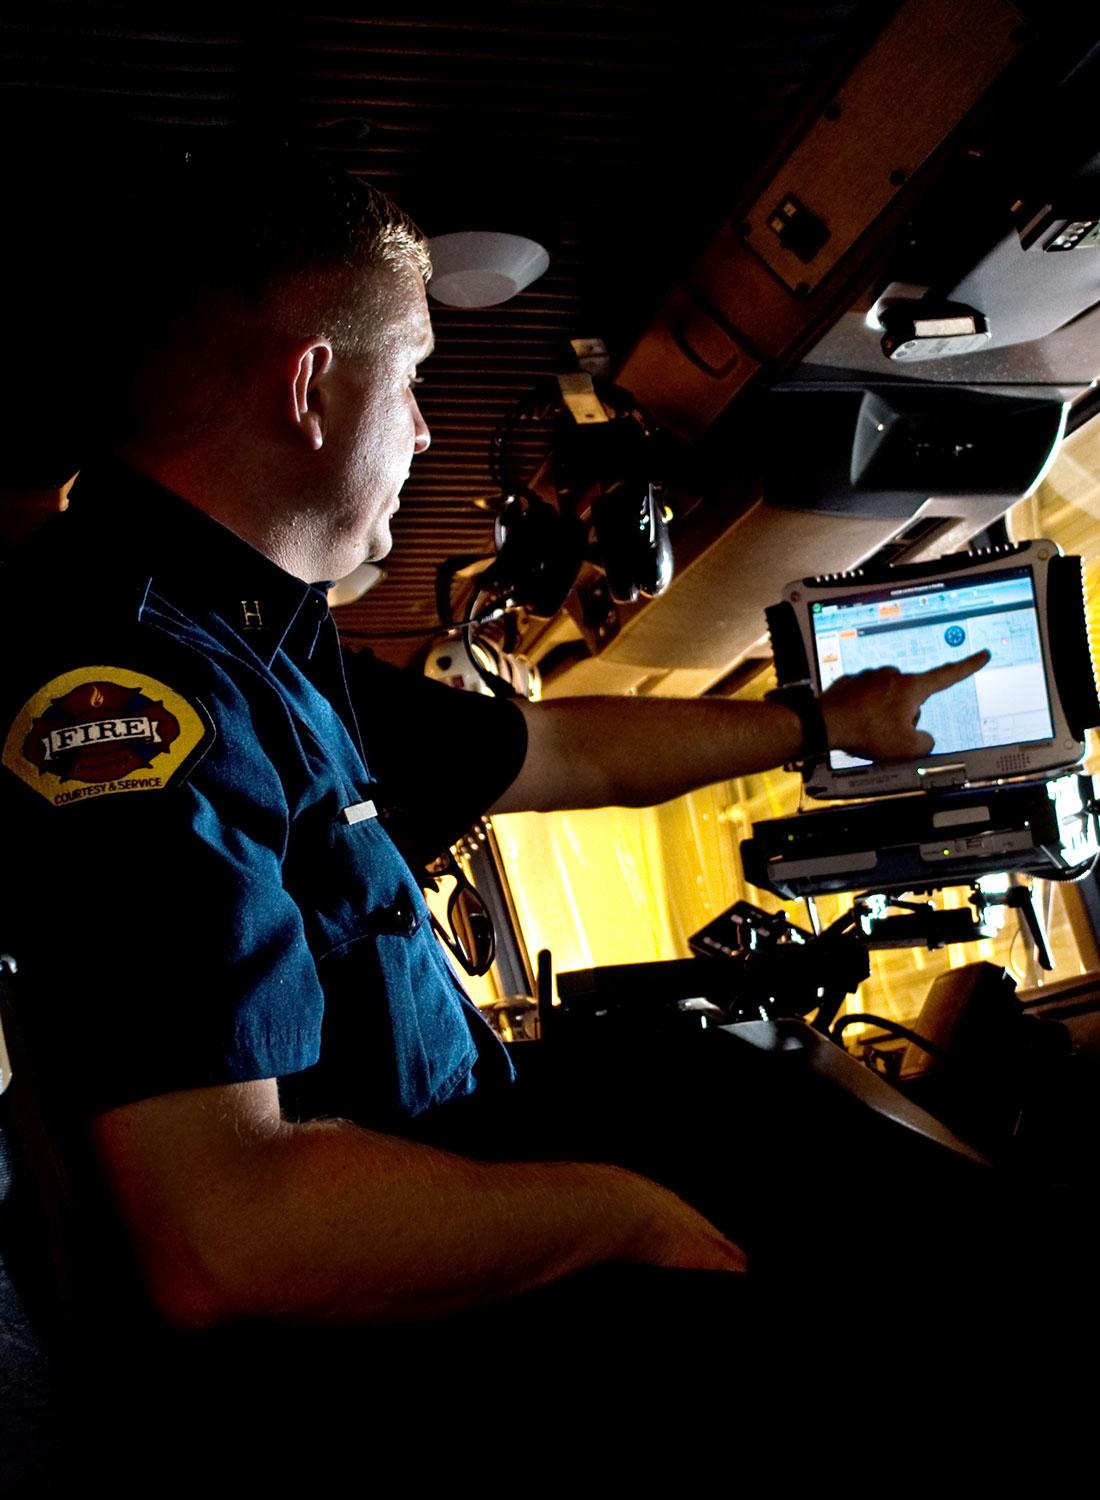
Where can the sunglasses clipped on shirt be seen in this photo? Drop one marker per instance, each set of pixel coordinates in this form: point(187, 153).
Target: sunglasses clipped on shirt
point(470, 938)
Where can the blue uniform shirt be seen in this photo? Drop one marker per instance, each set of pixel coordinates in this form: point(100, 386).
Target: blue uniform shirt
point(202, 893)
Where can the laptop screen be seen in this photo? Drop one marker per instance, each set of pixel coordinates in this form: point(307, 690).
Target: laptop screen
point(917, 626)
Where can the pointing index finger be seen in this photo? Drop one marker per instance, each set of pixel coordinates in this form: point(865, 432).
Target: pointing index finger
point(945, 676)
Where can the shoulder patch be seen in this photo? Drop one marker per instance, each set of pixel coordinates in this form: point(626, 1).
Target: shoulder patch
point(99, 731)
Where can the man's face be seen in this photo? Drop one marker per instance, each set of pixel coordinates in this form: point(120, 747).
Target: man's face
point(377, 427)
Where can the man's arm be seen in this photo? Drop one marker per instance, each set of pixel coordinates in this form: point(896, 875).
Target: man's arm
point(634, 752)
point(237, 1214)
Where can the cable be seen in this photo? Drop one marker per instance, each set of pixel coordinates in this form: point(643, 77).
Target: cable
point(441, 629)
point(492, 680)
point(535, 406)
point(1018, 974)
point(894, 1028)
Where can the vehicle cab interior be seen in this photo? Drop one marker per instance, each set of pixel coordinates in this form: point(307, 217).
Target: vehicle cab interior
point(767, 350)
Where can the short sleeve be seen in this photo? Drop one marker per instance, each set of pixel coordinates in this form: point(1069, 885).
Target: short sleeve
point(157, 945)
point(442, 756)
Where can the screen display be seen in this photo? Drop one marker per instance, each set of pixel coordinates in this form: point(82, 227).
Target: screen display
point(924, 625)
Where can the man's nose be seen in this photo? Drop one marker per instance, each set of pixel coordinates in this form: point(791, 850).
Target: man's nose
point(423, 437)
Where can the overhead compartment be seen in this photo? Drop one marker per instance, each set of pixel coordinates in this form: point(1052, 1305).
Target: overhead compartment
point(878, 348)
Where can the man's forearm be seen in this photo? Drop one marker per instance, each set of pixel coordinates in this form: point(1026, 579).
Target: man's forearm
point(634, 752)
point(395, 1232)
point(235, 1216)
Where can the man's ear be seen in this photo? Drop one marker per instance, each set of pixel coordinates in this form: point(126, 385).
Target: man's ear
point(308, 366)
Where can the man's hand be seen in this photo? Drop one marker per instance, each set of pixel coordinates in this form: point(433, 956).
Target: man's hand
point(660, 1229)
point(874, 714)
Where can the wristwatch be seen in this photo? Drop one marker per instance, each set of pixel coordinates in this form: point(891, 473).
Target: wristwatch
point(815, 737)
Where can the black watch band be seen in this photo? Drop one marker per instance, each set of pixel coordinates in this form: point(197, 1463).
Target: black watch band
point(815, 737)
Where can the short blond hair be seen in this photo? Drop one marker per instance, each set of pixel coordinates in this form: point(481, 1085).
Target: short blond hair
point(228, 251)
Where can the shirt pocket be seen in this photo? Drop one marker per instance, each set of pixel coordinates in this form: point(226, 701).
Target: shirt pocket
point(395, 1039)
